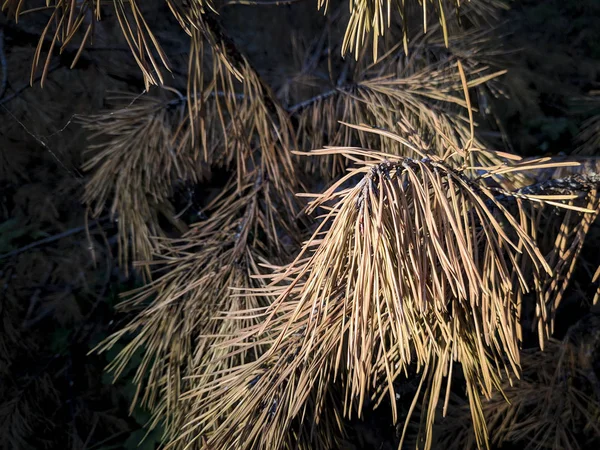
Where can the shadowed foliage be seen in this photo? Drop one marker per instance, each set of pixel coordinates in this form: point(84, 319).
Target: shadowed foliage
point(555, 405)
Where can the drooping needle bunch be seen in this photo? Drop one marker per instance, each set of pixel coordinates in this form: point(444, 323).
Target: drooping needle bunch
point(230, 122)
point(413, 265)
point(555, 405)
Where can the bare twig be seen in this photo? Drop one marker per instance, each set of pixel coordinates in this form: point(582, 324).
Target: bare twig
point(299, 106)
point(52, 238)
point(40, 139)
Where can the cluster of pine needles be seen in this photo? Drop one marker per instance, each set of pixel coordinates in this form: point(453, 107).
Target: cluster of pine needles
point(267, 322)
point(553, 406)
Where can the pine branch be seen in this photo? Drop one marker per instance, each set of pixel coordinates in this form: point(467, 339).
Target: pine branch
point(294, 109)
point(238, 59)
point(410, 263)
point(70, 17)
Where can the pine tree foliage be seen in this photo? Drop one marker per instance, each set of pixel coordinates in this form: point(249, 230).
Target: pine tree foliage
point(416, 263)
point(68, 18)
point(430, 97)
point(198, 272)
point(137, 136)
point(233, 110)
point(555, 405)
point(424, 253)
point(372, 18)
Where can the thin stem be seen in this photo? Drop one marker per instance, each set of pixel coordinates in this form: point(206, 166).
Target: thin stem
point(298, 106)
point(51, 239)
point(15, 94)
